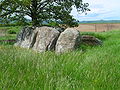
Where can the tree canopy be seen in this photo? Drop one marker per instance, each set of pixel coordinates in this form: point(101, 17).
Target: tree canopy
point(43, 10)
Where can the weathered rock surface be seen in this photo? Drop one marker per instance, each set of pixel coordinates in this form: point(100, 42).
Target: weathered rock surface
point(26, 37)
point(91, 40)
point(46, 39)
point(68, 40)
point(40, 38)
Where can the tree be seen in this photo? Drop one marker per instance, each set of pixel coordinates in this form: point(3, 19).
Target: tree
point(43, 10)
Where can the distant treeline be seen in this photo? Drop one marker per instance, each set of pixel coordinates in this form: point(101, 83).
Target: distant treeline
point(23, 22)
point(12, 22)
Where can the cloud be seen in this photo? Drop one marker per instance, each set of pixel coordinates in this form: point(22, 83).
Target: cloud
point(100, 9)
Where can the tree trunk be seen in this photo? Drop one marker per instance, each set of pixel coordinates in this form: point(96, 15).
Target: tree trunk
point(34, 13)
point(35, 21)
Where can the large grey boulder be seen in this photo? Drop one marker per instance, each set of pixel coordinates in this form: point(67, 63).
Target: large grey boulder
point(69, 40)
point(46, 39)
point(26, 37)
point(38, 38)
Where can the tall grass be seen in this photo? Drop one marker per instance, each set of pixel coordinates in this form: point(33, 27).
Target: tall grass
point(98, 68)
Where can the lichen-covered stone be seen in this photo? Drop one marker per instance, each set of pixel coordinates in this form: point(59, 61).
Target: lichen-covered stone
point(26, 37)
point(69, 40)
point(46, 39)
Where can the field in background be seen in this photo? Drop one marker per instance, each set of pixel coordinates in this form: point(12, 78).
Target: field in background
point(98, 27)
point(82, 27)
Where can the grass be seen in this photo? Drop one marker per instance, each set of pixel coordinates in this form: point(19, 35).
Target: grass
point(98, 68)
point(11, 28)
point(10, 33)
point(7, 30)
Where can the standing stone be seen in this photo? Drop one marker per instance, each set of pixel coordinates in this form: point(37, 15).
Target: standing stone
point(69, 40)
point(46, 39)
point(26, 38)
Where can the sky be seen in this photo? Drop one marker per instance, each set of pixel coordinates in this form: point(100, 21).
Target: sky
point(100, 10)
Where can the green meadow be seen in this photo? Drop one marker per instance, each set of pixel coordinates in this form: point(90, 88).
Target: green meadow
point(88, 68)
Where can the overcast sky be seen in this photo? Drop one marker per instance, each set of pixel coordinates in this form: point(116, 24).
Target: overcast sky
point(100, 10)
